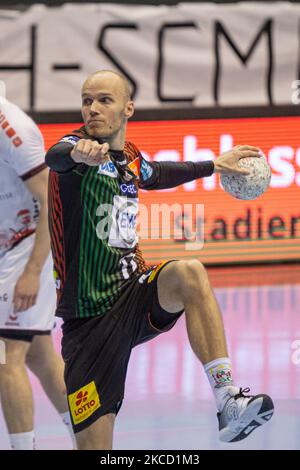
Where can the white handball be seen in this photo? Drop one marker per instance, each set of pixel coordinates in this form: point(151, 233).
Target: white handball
point(250, 186)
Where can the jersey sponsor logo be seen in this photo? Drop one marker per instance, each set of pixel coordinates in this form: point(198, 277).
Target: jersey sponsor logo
point(155, 270)
point(13, 319)
point(84, 402)
point(128, 189)
point(24, 218)
point(123, 227)
point(146, 170)
point(118, 222)
point(6, 196)
point(70, 139)
point(9, 131)
point(108, 169)
point(134, 166)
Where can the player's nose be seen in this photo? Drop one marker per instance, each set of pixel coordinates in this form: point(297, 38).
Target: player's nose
point(94, 109)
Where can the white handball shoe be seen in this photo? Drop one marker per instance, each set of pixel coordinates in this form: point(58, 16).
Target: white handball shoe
point(242, 414)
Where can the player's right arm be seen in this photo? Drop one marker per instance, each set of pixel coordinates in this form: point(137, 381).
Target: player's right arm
point(71, 151)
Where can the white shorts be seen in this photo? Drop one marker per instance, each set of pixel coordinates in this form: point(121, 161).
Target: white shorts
point(38, 318)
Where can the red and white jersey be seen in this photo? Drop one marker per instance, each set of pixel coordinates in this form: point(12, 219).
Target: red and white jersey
point(21, 156)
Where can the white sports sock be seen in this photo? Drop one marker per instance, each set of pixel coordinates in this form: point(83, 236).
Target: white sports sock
point(220, 377)
point(67, 421)
point(22, 440)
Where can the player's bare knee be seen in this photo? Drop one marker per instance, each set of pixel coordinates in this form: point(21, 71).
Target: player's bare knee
point(41, 355)
point(193, 276)
point(34, 363)
point(39, 365)
point(97, 436)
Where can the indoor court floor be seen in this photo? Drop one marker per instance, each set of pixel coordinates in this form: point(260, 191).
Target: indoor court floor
point(168, 403)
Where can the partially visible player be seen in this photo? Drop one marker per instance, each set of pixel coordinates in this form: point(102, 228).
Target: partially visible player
point(27, 291)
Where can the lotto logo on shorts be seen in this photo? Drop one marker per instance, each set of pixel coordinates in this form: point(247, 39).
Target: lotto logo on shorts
point(155, 271)
point(84, 402)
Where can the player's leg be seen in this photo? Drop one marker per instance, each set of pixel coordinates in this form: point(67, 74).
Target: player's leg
point(44, 361)
point(16, 394)
point(185, 285)
point(96, 352)
point(98, 436)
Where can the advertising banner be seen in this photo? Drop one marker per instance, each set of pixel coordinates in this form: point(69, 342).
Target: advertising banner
point(233, 231)
point(189, 55)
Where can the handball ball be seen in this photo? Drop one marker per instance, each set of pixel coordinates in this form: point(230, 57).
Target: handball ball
point(248, 186)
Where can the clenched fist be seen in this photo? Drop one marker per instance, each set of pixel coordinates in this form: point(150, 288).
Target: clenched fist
point(90, 152)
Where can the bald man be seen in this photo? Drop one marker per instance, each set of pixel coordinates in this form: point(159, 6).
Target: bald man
point(108, 297)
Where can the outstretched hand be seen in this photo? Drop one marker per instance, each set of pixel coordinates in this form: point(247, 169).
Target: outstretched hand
point(227, 162)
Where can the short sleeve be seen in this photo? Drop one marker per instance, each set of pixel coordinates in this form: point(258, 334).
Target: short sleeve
point(27, 151)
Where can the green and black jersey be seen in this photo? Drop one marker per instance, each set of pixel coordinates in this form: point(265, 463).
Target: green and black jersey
point(92, 220)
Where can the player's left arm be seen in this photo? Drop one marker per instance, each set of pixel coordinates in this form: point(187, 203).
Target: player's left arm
point(27, 286)
point(164, 175)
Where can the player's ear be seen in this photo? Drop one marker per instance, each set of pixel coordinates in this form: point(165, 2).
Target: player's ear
point(129, 109)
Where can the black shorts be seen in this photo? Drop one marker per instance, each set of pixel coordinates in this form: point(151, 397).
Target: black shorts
point(96, 350)
point(22, 335)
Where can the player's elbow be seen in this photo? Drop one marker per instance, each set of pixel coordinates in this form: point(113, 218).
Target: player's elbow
point(51, 157)
point(58, 157)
